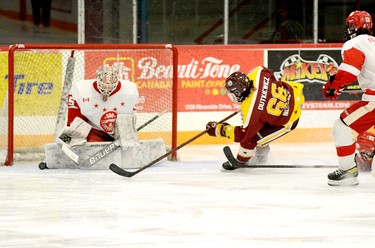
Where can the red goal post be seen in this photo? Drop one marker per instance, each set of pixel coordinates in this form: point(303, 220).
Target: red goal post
point(39, 75)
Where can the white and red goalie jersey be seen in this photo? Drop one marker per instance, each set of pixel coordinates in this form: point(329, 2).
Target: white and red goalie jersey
point(86, 101)
point(358, 63)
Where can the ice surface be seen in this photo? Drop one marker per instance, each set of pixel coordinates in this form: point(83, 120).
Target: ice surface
point(189, 203)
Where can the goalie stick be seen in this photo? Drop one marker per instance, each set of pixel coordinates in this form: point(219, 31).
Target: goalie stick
point(68, 80)
point(61, 116)
point(105, 151)
point(236, 165)
point(119, 171)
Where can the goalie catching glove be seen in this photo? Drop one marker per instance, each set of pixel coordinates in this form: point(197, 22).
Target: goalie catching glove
point(216, 129)
point(76, 134)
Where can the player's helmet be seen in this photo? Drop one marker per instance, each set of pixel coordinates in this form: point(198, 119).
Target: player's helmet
point(358, 22)
point(366, 145)
point(238, 86)
point(107, 79)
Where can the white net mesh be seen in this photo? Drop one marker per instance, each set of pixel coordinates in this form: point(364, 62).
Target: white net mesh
point(40, 76)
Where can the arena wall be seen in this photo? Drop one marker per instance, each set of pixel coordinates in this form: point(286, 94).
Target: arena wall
point(203, 70)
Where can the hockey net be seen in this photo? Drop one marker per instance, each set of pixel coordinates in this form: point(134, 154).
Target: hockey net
point(30, 111)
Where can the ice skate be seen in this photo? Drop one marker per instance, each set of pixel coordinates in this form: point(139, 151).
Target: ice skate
point(260, 157)
point(343, 177)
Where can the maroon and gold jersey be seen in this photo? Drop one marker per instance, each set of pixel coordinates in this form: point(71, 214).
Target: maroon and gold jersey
point(270, 103)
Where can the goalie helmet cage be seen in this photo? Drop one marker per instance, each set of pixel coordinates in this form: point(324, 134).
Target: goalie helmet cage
point(38, 74)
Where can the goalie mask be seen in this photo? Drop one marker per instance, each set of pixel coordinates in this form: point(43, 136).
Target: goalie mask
point(238, 86)
point(358, 22)
point(366, 145)
point(107, 80)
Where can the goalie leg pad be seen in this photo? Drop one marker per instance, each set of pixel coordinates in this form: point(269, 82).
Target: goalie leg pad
point(55, 158)
point(143, 154)
point(125, 130)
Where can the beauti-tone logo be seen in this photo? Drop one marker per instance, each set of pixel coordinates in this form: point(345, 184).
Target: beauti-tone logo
point(294, 68)
point(209, 74)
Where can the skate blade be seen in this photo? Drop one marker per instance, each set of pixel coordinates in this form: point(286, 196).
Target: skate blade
point(346, 182)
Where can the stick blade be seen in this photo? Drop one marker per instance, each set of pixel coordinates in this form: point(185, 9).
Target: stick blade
point(120, 171)
point(233, 163)
point(73, 156)
point(229, 155)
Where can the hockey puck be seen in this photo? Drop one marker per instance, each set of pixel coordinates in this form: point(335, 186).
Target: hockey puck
point(42, 166)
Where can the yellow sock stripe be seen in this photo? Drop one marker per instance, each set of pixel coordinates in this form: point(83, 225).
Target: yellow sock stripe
point(245, 153)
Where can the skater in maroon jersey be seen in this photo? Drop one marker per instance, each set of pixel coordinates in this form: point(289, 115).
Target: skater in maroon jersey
point(269, 108)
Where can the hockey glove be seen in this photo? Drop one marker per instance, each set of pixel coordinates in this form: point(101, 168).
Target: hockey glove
point(331, 92)
point(76, 134)
point(215, 129)
point(72, 138)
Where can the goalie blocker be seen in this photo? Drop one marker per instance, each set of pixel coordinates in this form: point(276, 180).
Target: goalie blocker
point(133, 153)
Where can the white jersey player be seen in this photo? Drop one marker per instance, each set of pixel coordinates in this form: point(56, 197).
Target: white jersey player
point(358, 54)
point(100, 101)
point(101, 110)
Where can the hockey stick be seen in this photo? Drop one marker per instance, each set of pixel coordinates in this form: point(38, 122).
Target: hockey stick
point(105, 151)
point(119, 171)
point(66, 88)
point(152, 119)
point(352, 89)
point(68, 80)
point(236, 165)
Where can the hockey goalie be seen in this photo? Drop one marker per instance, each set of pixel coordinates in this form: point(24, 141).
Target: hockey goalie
point(101, 118)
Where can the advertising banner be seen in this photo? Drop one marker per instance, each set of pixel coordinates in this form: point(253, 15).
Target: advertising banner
point(202, 74)
point(311, 67)
point(37, 83)
point(203, 70)
point(150, 70)
point(3, 75)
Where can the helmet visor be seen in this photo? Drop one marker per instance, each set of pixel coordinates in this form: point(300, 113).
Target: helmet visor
point(232, 96)
point(107, 79)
